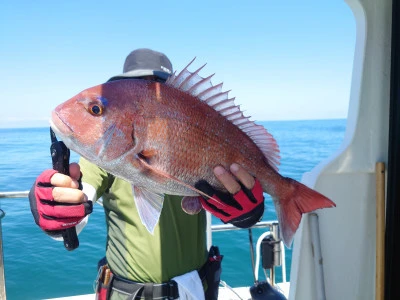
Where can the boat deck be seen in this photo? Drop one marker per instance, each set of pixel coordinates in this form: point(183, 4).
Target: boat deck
point(225, 293)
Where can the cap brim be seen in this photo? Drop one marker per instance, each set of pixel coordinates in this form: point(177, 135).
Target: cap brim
point(141, 73)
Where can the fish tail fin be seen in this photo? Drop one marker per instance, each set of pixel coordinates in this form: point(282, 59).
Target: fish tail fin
point(298, 200)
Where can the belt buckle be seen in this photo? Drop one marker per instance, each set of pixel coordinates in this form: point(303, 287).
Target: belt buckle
point(171, 293)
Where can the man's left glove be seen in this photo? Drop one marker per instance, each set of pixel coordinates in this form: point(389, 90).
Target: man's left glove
point(243, 209)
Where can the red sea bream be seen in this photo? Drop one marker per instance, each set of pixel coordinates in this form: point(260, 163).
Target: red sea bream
point(164, 137)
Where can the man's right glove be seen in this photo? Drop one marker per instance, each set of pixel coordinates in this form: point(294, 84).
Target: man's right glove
point(50, 215)
point(243, 209)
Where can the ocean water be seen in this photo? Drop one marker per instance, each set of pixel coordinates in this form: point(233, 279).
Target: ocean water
point(37, 267)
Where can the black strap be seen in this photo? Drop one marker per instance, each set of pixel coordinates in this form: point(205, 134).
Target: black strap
point(148, 291)
point(203, 271)
point(133, 296)
point(168, 290)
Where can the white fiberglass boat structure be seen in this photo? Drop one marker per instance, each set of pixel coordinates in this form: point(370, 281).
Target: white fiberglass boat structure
point(351, 251)
point(359, 255)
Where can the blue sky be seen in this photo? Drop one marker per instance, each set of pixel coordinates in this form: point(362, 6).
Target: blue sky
point(282, 60)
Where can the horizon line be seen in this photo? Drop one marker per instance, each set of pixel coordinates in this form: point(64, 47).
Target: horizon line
point(12, 125)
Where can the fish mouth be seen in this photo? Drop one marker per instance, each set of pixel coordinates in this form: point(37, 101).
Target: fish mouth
point(67, 134)
point(59, 126)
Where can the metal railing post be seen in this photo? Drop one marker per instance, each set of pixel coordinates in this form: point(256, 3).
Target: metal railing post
point(2, 277)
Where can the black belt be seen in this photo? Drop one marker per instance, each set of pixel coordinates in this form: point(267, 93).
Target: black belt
point(137, 290)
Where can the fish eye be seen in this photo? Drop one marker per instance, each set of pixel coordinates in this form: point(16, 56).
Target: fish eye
point(95, 109)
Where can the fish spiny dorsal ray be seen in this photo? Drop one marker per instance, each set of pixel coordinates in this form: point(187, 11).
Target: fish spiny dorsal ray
point(203, 89)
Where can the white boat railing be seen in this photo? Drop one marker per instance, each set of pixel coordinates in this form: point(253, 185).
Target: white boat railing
point(21, 194)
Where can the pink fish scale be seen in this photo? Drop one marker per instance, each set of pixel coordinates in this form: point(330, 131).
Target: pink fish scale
point(203, 89)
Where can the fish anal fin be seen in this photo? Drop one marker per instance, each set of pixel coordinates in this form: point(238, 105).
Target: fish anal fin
point(300, 200)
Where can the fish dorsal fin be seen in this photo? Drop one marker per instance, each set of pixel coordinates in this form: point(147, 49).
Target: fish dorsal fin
point(203, 89)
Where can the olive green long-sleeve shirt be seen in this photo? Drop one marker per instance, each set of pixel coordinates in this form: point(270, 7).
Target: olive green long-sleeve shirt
point(177, 246)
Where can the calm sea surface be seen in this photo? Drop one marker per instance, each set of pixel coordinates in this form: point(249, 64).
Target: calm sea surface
point(37, 267)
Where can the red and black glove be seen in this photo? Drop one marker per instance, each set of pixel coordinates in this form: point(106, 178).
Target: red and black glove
point(243, 209)
point(50, 215)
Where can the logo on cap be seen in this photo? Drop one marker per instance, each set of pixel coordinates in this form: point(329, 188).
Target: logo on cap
point(166, 69)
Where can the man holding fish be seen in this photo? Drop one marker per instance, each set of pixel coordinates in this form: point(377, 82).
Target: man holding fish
point(157, 148)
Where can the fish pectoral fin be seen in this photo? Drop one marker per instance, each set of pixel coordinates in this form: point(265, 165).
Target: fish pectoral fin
point(149, 205)
point(147, 155)
point(143, 162)
point(160, 175)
